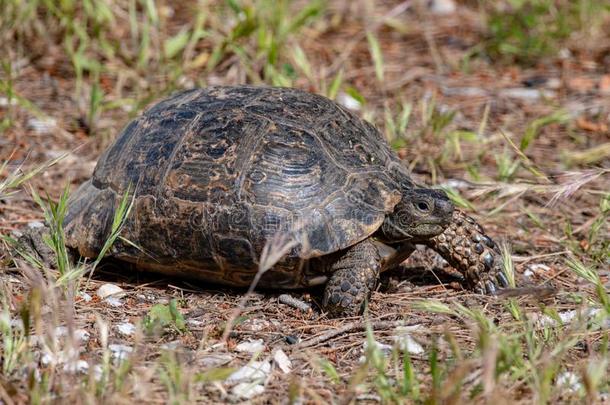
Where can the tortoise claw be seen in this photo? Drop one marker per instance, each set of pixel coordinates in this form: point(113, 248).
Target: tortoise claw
point(502, 280)
point(490, 288)
point(479, 288)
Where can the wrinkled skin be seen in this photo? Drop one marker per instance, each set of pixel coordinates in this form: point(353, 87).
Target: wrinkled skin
point(217, 173)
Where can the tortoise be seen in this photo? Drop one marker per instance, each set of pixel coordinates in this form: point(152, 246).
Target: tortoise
point(219, 173)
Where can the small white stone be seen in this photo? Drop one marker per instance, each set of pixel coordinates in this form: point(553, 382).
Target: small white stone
point(565, 53)
point(35, 225)
point(386, 349)
point(82, 335)
point(173, 345)
point(60, 331)
point(254, 371)
point(214, 360)
point(111, 294)
point(567, 317)
point(538, 267)
point(348, 101)
point(48, 358)
point(553, 83)
point(251, 346)
point(247, 390)
point(42, 126)
point(16, 323)
point(406, 342)
point(282, 361)
point(569, 380)
point(526, 94)
point(194, 322)
point(63, 356)
point(442, 7)
point(126, 328)
point(528, 273)
point(113, 302)
point(85, 297)
point(107, 290)
point(4, 102)
point(98, 372)
point(78, 366)
point(120, 352)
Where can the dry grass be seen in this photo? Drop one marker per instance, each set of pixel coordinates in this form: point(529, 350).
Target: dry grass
point(532, 166)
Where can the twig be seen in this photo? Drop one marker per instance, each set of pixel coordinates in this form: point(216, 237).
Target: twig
point(350, 327)
point(294, 302)
point(526, 259)
point(538, 292)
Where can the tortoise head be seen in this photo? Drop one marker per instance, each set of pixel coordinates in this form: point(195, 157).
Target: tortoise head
point(421, 214)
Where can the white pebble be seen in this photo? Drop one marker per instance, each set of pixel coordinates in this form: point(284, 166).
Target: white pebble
point(194, 322)
point(538, 267)
point(254, 371)
point(98, 372)
point(442, 7)
point(282, 361)
point(113, 302)
point(251, 346)
point(85, 297)
point(120, 352)
point(406, 342)
point(60, 357)
point(111, 294)
point(566, 317)
point(173, 345)
point(4, 102)
point(82, 335)
point(41, 126)
point(107, 290)
point(526, 94)
point(78, 366)
point(214, 360)
point(247, 390)
point(16, 323)
point(126, 328)
point(569, 380)
point(386, 349)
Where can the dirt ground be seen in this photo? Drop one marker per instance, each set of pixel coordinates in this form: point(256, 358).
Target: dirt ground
point(523, 147)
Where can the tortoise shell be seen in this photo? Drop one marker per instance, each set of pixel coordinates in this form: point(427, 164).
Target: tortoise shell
point(217, 173)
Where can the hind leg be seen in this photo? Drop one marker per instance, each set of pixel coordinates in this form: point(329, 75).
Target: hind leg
point(32, 244)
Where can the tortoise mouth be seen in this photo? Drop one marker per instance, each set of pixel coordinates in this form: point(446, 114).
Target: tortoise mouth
point(428, 230)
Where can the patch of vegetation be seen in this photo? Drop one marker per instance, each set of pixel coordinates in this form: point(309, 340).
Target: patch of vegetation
point(525, 31)
point(163, 316)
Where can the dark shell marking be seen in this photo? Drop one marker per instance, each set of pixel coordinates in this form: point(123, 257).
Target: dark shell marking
point(219, 171)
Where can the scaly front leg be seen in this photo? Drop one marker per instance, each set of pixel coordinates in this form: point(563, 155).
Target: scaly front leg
point(466, 247)
point(354, 276)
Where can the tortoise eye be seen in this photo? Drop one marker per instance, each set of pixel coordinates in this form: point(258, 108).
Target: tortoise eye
point(423, 206)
